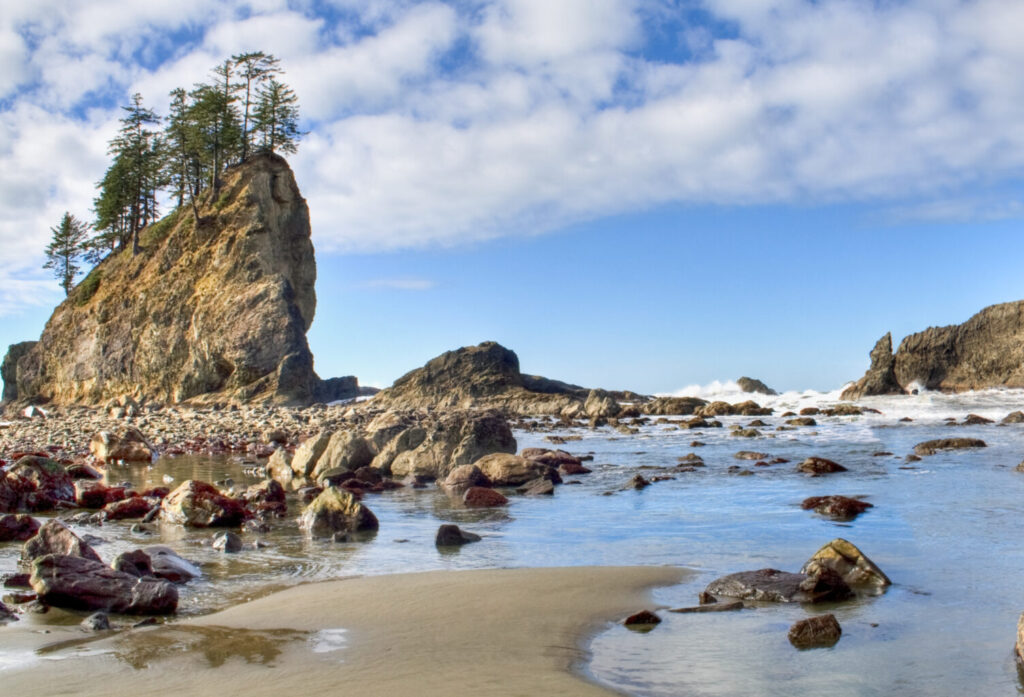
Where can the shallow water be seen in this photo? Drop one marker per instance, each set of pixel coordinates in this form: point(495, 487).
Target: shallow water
point(944, 531)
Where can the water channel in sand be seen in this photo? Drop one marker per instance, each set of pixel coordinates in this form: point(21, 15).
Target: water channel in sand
point(943, 529)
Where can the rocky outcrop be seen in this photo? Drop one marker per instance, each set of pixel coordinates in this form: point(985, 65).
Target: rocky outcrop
point(881, 376)
point(210, 310)
point(483, 376)
point(9, 369)
point(985, 351)
point(754, 385)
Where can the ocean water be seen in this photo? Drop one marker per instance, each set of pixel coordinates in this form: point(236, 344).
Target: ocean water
point(943, 529)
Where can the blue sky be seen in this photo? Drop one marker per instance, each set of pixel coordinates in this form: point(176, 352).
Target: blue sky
point(641, 194)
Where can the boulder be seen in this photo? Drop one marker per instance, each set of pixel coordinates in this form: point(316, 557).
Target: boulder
point(751, 455)
point(482, 497)
point(643, 618)
point(17, 528)
point(408, 439)
point(815, 632)
point(55, 538)
point(880, 378)
point(850, 563)
point(200, 505)
point(266, 497)
point(819, 465)
point(85, 584)
point(336, 511)
point(279, 467)
point(169, 566)
point(457, 438)
point(128, 446)
point(772, 585)
point(465, 477)
point(96, 622)
point(504, 469)
point(451, 535)
point(136, 563)
point(227, 542)
point(600, 404)
point(802, 421)
point(346, 450)
point(309, 452)
point(1014, 417)
point(673, 406)
point(91, 494)
point(756, 386)
point(131, 508)
point(930, 447)
point(35, 483)
point(976, 420)
point(837, 507)
point(538, 487)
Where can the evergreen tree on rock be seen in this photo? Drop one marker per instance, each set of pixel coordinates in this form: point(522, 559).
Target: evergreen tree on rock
point(66, 248)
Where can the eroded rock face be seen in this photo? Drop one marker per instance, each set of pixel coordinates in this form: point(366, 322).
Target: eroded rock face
point(9, 369)
point(881, 375)
point(217, 309)
point(985, 351)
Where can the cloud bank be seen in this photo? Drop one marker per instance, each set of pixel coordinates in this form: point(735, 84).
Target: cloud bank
point(435, 123)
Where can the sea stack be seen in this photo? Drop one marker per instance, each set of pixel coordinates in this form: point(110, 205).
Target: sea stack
point(211, 309)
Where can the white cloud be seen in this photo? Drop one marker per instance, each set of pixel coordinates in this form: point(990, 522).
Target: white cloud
point(440, 123)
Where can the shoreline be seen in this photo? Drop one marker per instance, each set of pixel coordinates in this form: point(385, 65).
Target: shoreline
point(480, 632)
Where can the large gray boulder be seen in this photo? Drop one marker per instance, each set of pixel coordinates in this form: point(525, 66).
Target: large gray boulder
point(772, 585)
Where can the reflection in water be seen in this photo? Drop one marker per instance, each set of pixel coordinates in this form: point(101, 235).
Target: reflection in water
point(216, 644)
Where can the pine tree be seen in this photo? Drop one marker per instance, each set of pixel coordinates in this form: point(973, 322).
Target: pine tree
point(255, 68)
point(223, 117)
point(127, 200)
point(66, 248)
point(277, 118)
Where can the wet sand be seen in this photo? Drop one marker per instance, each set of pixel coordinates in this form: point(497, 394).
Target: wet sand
point(445, 633)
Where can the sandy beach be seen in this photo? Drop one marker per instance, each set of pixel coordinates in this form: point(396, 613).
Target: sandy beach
point(481, 632)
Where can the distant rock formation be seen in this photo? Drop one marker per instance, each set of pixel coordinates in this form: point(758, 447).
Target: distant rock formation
point(755, 386)
point(880, 379)
point(9, 369)
point(985, 351)
point(483, 376)
point(211, 311)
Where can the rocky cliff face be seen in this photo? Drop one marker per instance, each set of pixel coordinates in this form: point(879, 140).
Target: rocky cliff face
point(483, 376)
point(210, 311)
point(9, 369)
point(881, 376)
point(985, 351)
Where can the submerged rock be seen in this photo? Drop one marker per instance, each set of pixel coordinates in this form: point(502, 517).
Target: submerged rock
point(17, 528)
point(838, 507)
point(449, 535)
point(481, 497)
point(772, 585)
point(815, 632)
point(644, 617)
point(820, 465)
point(931, 447)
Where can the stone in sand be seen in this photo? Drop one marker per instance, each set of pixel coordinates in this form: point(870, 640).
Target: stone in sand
point(815, 632)
point(644, 617)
